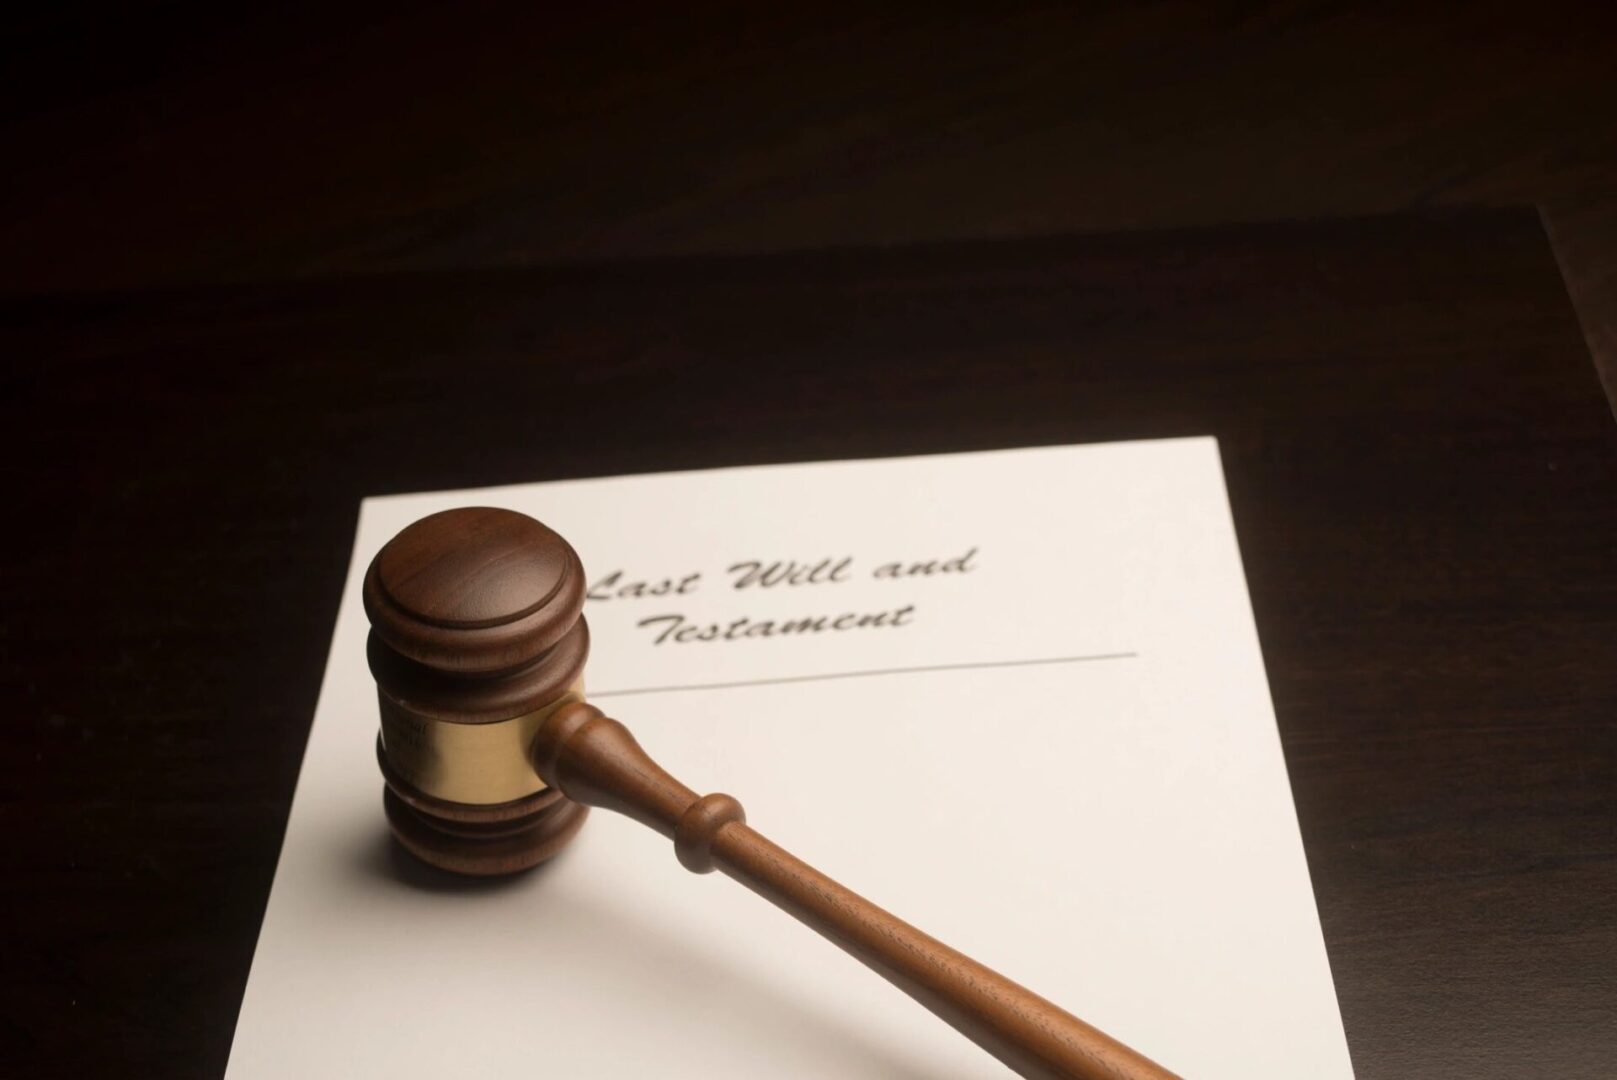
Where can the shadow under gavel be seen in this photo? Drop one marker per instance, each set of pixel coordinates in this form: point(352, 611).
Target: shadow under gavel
point(491, 758)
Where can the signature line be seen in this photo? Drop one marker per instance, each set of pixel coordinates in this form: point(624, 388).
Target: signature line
point(866, 674)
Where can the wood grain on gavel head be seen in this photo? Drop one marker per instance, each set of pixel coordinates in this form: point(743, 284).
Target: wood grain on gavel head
point(476, 637)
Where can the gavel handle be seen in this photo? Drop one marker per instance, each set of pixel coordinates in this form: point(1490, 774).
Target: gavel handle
point(593, 759)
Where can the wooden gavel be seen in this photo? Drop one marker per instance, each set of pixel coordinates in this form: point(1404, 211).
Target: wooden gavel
point(491, 759)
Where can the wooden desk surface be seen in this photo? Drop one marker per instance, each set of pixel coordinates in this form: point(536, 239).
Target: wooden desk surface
point(198, 142)
point(1421, 463)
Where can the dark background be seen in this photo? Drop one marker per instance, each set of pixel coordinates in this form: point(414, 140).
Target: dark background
point(257, 266)
point(187, 142)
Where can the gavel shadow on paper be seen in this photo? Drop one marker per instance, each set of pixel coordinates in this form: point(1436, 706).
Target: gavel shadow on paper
point(492, 759)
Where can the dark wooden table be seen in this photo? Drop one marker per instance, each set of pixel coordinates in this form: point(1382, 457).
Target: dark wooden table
point(1420, 460)
point(191, 142)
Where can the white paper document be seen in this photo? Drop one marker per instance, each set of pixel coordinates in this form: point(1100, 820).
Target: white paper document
point(1016, 698)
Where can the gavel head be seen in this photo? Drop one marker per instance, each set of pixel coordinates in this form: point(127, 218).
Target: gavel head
point(476, 637)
